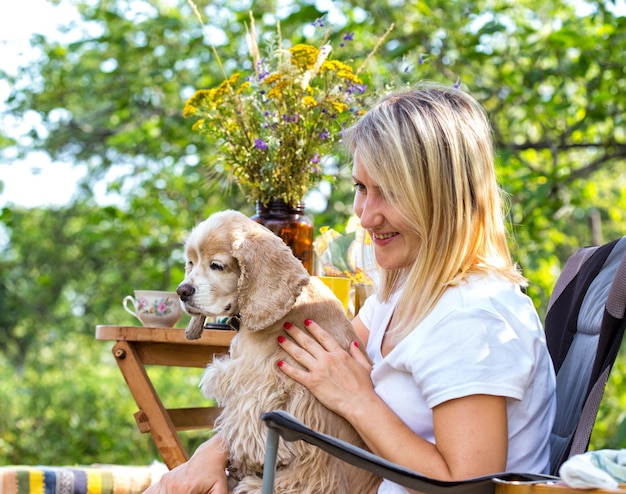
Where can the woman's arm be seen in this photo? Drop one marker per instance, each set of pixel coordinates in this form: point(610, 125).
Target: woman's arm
point(470, 433)
point(203, 473)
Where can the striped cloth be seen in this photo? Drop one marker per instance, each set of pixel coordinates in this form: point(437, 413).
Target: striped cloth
point(96, 479)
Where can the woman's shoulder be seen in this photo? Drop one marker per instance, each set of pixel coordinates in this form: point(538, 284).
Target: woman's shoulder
point(484, 288)
point(487, 296)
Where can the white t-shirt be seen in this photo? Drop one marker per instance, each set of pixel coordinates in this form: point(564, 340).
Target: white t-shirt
point(482, 337)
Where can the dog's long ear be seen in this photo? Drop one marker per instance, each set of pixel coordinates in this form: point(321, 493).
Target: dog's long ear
point(271, 276)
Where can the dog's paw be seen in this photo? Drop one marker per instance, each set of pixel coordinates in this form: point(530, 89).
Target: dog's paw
point(195, 327)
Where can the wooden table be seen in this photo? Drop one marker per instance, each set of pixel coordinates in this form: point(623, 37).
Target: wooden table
point(138, 346)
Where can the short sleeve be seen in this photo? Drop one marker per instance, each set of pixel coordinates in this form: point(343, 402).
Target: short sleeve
point(472, 352)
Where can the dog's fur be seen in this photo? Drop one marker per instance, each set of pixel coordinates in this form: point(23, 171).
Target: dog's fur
point(236, 267)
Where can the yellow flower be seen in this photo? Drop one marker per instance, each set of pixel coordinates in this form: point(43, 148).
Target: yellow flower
point(303, 56)
point(339, 106)
point(309, 101)
point(194, 103)
point(198, 125)
point(342, 70)
point(270, 79)
point(277, 90)
point(350, 76)
point(225, 87)
point(243, 87)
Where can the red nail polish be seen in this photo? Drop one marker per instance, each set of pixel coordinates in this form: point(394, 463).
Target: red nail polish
point(280, 363)
point(288, 325)
point(281, 339)
point(356, 344)
point(307, 322)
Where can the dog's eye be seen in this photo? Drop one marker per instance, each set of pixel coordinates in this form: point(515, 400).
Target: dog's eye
point(189, 265)
point(216, 266)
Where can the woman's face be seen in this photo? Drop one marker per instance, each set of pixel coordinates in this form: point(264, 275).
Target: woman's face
point(395, 244)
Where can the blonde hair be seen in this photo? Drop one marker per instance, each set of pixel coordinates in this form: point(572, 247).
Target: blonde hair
point(431, 152)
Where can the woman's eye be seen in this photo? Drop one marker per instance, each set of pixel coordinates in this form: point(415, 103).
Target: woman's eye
point(359, 187)
point(216, 266)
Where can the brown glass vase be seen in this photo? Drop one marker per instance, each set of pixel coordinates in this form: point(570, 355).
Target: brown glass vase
point(292, 225)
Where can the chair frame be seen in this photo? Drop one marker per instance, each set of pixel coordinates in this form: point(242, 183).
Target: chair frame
point(282, 424)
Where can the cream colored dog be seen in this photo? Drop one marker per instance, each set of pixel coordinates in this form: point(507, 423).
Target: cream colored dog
point(237, 268)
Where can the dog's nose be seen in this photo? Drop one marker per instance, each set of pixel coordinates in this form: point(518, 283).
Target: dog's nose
point(185, 291)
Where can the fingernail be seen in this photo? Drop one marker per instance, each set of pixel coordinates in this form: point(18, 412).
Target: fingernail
point(356, 344)
point(307, 322)
point(280, 363)
point(281, 339)
point(288, 325)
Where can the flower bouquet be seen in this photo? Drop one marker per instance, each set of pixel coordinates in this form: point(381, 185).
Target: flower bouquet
point(276, 124)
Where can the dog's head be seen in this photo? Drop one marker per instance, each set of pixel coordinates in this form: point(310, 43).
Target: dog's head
point(235, 266)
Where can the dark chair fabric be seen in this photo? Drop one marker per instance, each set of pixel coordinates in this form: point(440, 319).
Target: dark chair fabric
point(584, 329)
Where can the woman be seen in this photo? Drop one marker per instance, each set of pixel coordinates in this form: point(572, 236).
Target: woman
point(461, 383)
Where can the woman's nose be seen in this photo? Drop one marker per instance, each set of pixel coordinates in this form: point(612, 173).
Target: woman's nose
point(368, 212)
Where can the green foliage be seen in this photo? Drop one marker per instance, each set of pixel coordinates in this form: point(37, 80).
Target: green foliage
point(111, 100)
point(70, 405)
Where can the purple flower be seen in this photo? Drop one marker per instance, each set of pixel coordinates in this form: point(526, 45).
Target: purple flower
point(347, 37)
point(260, 144)
point(420, 59)
point(325, 134)
point(315, 158)
point(319, 22)
point(360, 88)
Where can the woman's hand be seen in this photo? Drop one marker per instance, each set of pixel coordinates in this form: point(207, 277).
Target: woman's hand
point(203, 473)
point(338, 379)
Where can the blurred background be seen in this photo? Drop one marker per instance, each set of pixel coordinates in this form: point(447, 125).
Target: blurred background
point(101, 177)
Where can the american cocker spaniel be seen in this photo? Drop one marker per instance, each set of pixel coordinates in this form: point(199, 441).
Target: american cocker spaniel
point(239, 269)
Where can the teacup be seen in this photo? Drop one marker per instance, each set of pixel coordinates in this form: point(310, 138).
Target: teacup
point(154, 308)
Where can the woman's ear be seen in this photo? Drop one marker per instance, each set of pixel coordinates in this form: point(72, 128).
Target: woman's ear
point(271, 276)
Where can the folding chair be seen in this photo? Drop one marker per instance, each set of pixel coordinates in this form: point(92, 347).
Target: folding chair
point(584, 329)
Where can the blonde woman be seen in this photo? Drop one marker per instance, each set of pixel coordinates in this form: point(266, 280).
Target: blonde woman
point(461, 383)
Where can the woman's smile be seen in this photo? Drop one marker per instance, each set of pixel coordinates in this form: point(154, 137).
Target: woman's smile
point(383, 238)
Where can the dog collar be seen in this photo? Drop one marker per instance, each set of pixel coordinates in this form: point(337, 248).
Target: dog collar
point(234, 321)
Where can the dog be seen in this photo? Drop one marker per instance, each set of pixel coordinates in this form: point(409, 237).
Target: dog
point(237, 268)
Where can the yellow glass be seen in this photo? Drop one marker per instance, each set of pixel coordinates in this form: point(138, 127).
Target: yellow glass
point(340, 287)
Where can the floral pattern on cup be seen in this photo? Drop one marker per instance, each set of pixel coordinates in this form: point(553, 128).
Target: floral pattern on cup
point(159, 307)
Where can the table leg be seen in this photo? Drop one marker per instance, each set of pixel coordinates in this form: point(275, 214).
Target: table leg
point(160, 425)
